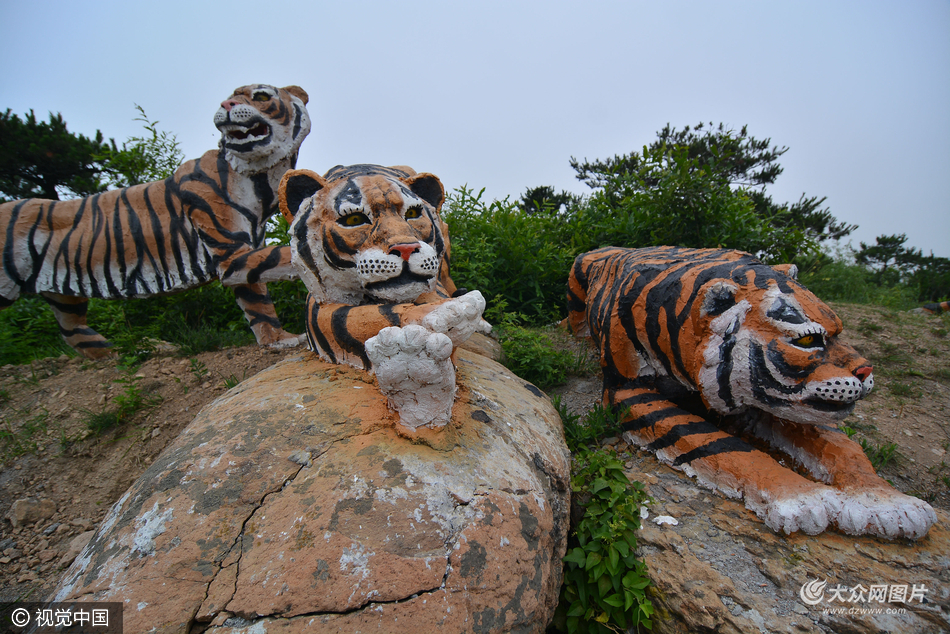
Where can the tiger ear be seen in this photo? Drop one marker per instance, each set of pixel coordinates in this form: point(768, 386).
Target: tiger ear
point(788, 269)
point(428, 187)
point(298, 92)
point(295, 187)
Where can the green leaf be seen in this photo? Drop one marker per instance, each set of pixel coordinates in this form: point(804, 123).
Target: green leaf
point(577, 556)
point(615, 600)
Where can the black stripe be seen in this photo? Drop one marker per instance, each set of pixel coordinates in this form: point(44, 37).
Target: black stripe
point(716, 447)
point(343, 337)
point(680, 431)
point(386, 310)
point(318, 342)
point(651, 419)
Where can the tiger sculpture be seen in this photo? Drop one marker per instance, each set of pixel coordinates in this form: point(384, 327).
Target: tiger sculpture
point(706, 345)
point(206, 221)
point(373, 251)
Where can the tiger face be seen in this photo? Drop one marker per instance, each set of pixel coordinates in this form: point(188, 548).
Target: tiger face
point(770, 344)
point(365, 233)
point(261, 125)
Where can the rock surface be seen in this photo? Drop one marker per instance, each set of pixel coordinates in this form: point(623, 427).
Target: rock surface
point(291, 502)
point(721, 569)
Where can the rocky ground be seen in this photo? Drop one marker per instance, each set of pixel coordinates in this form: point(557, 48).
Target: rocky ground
point(59, 477)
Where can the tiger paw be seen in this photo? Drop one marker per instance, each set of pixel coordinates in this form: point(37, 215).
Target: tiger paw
point(882, 512)
point(287, 340)
point(413, 368)
point(457, 318)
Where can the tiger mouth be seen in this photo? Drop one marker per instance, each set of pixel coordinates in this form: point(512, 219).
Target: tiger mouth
point(260, 130)
point(836, 407)
point(404, 280)
point(238, 135)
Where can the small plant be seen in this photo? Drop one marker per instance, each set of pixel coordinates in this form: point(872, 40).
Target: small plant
point(199, 369)
point(599, 422)
point(125, 405)
point(902, 390)
point(604, 582)
point(879, 455)
point(849, 431)
point(4, 396)
point(232, 380)
point(17, 442)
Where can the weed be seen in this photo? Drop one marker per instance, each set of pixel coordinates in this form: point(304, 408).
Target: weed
point(4, 396)
point(902, 390)
point(879, 455)
point(199, 369)
point(866, 326)
point(17, 442)
point(599, 422)
point(939, 332)
point(125, 405)
point(849, 431)
point(604, 581)
point(530, 353)
point(232, 381)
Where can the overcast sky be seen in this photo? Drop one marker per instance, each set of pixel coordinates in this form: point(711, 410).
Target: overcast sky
point(501, 95)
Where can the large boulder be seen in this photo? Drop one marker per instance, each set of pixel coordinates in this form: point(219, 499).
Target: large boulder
point(716, 567)
point(292, 503)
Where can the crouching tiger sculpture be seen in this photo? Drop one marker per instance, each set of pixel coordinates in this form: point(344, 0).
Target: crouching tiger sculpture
point(373, 252)
point(206, 221)
point(703, 345)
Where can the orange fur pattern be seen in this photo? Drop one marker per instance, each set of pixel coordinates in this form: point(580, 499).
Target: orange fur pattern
point(703, 346)
point(204, 222)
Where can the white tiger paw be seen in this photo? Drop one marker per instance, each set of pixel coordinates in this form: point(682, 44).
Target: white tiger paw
point(458, 318)
point(882, 512)
point(806, 511)
point(413, 367)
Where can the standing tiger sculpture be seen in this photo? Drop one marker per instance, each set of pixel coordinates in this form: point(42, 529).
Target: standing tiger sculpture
point(705, 345)
point(206, 221)
point(372, 249)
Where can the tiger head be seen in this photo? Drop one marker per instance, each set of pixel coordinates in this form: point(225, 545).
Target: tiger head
point(770, 344)
point(365, 233)
point(261, 125)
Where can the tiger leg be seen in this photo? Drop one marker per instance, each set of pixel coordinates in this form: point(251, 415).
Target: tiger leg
point(783, 499)
point(338, 332)
point(70, 313)
point(865, 503)
point(259, 311)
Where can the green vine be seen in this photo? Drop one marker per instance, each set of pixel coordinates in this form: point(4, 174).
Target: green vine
point(604, 581)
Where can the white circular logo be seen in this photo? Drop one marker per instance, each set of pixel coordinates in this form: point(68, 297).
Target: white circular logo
point(813, 592)
point(20, 617)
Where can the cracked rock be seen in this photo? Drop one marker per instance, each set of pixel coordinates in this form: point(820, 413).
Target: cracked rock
point(381, 529)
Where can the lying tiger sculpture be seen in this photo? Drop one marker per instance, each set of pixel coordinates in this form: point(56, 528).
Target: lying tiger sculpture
point(704, 344)
point(374, 254)
point(206, 221)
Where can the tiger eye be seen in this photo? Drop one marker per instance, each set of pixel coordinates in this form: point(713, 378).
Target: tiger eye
point(261, 96)
point(353, 220)
point(413, 212)
point(809, 341)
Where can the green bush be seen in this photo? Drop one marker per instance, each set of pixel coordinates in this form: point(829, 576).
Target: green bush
point(511, 255)
point(837, 280)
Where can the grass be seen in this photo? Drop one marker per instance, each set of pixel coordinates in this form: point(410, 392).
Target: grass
point(124, 406)
point(17, 440)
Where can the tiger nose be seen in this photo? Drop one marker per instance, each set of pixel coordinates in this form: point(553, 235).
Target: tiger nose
point(403, 250)
point(227, 104)
point(863, 372)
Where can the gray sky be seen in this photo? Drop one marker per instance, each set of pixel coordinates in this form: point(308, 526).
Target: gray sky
point(501, 95)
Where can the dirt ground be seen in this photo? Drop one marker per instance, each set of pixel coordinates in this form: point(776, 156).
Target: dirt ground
point(48, 451)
